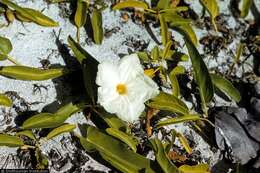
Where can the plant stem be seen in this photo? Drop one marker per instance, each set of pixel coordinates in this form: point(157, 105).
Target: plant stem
point(78, 35)
point(11, 59)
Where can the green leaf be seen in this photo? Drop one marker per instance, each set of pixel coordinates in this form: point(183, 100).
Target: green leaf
point(116, 153)
point(30, 73)
point(80, 17)
point(31, 14)
point(40, 18)
point(179, 119)
point(226, 86)
point(245, 7)
point(61, 129)
point(201, 75)
point(185, 30)
point(27, 133)
point(239, 52)
point(162, 157)
point(169, 102)
point(5, 101)
point(164, 30)
point(130, 4)
point(163, 4)
point(89, 66)
point(174, 81)
point(113, 121)
point(200, 168)
point(212, 7)
point(86, 145)
point(126, 138)
point(81, 13)
point(184, 142)
point(78, 51)
point(5, 46)
point(48, 120)
point(155, 53)
point(10, 141)
point(96, 22)
point(175, 19)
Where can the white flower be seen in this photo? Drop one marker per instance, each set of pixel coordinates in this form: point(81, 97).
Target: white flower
point(123, 87)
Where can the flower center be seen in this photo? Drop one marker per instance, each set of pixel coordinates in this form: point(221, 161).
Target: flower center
point(121, 89)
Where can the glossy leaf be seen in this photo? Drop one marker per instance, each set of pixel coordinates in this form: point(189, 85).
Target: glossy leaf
point(96, 22)
point(89, 66)
point(78, 51)
point(5, 101)
point(200, 168)
point(245, 7)
point(130, 4)
point(113, 121)
point(184, 142)
point(162, 157)
point(80, 17)
point(5, 46)
point(19, 9)
point(40, 18)
point(9, 15)
point(48, 120)
point(155, 55)
point(225, 86)
point(10, 141)
point(179, 119)
point(116, 153)
point(164, 4)
point(174, 81)
point(175, 19)
point(89, 75)
point(164, 30)
point(30, 73)
point(169, 102)
point(201, 74)
point(27, 133)
point(127, 139)
point(31, 14)
point(212, 7)
point(185, 30)
point(62, 129)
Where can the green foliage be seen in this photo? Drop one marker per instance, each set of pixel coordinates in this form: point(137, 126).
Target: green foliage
point(48, 120)
point(179, 119)
point(225, 86)
point(162, 157)
point(97, 28)
point(201, 75)
point(212, 7)
point(10, 141)
point(168, 102)
point(31, 14)
point(61, 129)
point(30, 73)
point(116, 153)
point(245, 7)
point(5, 101)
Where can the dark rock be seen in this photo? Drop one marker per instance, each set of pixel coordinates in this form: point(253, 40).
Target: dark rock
point(232, 138)
point(257, 89)
point(249, 122)
point(255, 106)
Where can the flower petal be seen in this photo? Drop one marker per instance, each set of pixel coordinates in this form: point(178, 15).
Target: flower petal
point(107, 74)
point(129, 67)
point(142, 89)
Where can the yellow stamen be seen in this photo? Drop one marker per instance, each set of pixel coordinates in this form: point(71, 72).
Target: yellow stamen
point(121, 89)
